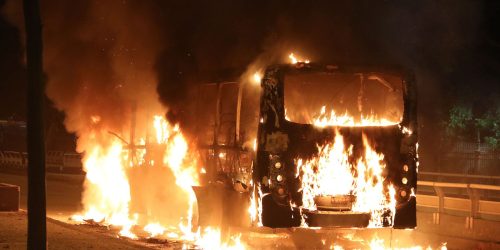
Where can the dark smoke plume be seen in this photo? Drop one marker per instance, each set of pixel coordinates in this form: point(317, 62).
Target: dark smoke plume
point(104, 47)
point(12, 70)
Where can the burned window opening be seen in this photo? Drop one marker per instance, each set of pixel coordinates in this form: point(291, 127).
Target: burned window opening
point(370, 142)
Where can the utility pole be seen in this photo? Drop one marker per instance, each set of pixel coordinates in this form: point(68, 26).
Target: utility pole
point(37, 234)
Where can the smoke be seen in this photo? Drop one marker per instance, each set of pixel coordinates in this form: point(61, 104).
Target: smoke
point(124, 47)
point(438, 41)
point(209, 42)
point(12, 69)
point(101, 57)
point(109, 54)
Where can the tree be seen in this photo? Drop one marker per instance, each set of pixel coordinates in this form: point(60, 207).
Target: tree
point(463, 124)
point(489, 125)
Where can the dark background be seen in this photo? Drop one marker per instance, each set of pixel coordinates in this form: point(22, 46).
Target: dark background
point(452, 46)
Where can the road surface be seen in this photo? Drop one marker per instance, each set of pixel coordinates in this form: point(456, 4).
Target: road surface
point(63, 200)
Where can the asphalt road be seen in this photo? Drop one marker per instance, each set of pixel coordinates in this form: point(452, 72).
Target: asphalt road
point(60, 235)
point(63, 194)
point(63, 200)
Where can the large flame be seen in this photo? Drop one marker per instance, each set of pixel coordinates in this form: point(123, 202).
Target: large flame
point(107, 190)
point(107, 196)
point(331, 173)
point(323, 119)
point(332, 119)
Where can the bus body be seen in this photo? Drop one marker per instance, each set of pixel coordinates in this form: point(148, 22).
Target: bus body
point(306, 106)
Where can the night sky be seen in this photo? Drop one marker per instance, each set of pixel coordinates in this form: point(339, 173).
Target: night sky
point(452, 46)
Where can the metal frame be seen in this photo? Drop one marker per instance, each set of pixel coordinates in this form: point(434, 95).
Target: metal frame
point(234, 150)
point(475, 207)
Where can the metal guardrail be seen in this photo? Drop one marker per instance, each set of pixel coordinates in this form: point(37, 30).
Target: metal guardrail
point(460, 176)
point(474, 207)
point(56, 161)
point(493, 180)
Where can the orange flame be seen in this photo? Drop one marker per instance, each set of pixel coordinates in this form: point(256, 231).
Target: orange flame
point(107, 193)
point(154, 229)
point(330, 173)
point(107, 188)
point(255, 208)
point(257, 77)
point(294, 59)
point(324, 119)
point(211, 239)
point(379, 244)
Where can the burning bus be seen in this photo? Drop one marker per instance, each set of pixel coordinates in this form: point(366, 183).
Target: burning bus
point(336, 147)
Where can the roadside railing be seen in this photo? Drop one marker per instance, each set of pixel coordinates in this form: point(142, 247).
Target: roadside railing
point(56, 161)
point(459, 178)
point(446, 200)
